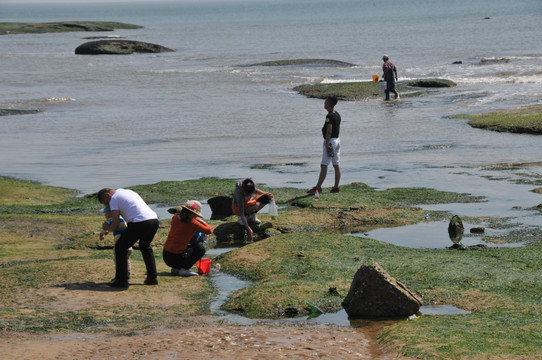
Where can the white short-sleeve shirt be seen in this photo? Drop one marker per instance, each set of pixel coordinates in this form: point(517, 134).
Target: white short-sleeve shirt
point(131, 206)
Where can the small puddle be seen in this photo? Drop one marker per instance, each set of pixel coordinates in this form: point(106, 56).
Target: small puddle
point(430, 235)
point(442, 310)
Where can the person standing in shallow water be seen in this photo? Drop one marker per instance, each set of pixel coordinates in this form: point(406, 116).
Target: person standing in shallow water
point(389, 74)
point(142, 225)
point(331, 148)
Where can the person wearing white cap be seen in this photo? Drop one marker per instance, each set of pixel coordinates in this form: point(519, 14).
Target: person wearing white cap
point(180, 253)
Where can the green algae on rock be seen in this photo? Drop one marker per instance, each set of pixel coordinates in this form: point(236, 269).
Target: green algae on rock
point(6, 112)
point(523, 120)
point(301, 62)
point(8, 28)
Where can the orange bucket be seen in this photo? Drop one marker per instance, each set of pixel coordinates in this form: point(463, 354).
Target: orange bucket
point(204, 266)
point(375, 78)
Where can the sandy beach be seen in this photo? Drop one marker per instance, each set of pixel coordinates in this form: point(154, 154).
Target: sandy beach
point(202, 336)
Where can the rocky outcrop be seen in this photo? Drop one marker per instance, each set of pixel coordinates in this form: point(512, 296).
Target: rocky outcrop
point(234, 233)
point(7, 28)
point(488, 61)
point(302, 62)
point(118, 47)
point(431, 83)
point(220, 206)
point(5, 112)
point(374, 294)
point(456, 229)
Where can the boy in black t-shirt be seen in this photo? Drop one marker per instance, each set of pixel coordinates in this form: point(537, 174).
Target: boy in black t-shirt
point(332, 146)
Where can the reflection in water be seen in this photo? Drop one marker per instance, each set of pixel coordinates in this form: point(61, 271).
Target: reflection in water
point(442, 310)
point(429, 235)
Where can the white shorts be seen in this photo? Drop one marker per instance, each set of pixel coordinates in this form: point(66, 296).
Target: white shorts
point(336, 155)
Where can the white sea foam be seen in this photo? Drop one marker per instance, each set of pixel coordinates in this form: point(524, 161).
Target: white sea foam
point(56, 99)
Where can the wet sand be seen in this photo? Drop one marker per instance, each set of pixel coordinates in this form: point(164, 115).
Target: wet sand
point(204, 337)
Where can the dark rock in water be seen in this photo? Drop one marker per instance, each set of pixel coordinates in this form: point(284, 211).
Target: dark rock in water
point(118, 47)
point(221, 205)
point(457, 62)
point(307, 62)
point(374, 293)
point(431, 83)
point(6, 112)
point(487, 61)
point(477, 230)
point(470, 247)
point(455, 228)
point(102, 37)
point(234, 233)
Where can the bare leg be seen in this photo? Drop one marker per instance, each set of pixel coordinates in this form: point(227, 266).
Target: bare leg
point(337, 175)
point(322, 177)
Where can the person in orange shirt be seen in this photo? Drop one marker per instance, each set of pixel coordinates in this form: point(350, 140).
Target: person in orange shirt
point(180, 252)
point(247, 201)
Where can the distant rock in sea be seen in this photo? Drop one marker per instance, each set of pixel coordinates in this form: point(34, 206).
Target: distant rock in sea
point(102, 37)
point(486, 61)
point(431, 83)
point(10, 28)
point(302, 62)
point(118, 47)
point(6, 112)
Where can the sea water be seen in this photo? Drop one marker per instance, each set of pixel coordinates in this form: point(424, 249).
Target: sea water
point(200, 111)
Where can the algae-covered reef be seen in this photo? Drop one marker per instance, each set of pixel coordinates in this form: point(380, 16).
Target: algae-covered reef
point(54, 275)
point(8, 28)
point(524, 120)
point(364, 90)
point(304, 62)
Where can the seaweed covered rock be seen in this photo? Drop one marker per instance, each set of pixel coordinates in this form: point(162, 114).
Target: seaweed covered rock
point(6, 112)
point(455, 228)
point(118, 47)
point(374, 293)
point(305, 62)
point(431, 83)
point(220, 206)
point(10, 28)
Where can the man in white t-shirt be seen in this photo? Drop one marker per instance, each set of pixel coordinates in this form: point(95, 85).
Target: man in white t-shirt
point(142, 225)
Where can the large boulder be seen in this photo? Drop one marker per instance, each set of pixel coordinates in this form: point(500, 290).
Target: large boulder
point(456, 229)
point(374, 294)
point(118, 47)
point(221, 205)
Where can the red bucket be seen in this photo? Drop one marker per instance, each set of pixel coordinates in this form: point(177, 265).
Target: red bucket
point(204, 266)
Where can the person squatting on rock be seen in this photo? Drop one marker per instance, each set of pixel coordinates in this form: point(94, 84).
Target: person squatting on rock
point(247, 201)
point(142, 226)
point(331, 148)
point(184, 245)
point(116, 232)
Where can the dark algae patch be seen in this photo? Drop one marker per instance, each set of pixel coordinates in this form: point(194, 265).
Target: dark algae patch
point(8, 28)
